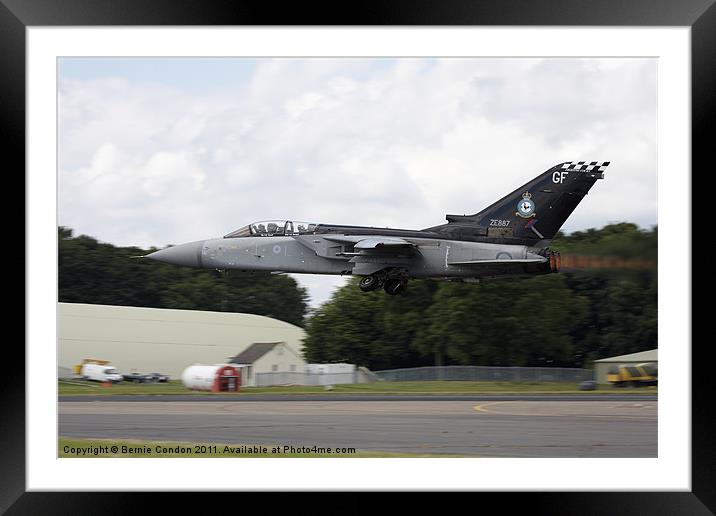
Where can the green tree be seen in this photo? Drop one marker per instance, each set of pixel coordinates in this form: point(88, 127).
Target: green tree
point(368, 328)
point(507, 322)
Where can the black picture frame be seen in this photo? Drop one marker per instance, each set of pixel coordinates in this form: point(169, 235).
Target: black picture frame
point(17, 15)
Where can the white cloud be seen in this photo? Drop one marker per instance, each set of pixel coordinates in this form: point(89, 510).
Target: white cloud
point(357, 141)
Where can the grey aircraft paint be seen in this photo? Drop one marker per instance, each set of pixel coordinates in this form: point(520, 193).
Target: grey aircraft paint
point(509, 238)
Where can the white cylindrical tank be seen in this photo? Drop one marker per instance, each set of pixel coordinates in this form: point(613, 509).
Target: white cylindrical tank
point(201, 377)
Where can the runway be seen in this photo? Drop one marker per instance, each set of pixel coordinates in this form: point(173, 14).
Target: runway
point(484, 428)
point(230, 398)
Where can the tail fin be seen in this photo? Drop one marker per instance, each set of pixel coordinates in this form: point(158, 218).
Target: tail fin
point(536, 210)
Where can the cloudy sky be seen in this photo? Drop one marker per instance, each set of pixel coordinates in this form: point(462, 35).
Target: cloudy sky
point(163, 151)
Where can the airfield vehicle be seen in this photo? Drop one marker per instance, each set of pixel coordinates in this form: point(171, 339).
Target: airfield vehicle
point(158, 377)
point(588, 385)
point(145, 377)
point(511, 237)
point(100, 373)
point(633, 375)
point(136, 377)
point(78, 368)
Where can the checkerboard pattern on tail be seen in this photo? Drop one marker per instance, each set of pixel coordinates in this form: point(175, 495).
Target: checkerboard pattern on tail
point(599, 166)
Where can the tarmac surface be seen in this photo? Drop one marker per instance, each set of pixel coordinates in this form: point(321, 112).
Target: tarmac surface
point(231, 398)
point(484, 426)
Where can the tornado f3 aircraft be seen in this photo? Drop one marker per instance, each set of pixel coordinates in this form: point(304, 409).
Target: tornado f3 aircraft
point(508, 238)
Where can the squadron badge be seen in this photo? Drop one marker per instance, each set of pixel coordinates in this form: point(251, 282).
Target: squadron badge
point(526, 207)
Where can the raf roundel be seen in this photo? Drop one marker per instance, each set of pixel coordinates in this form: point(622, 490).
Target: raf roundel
point(526, 207)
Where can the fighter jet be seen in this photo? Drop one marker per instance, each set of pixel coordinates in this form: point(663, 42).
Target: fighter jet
point(511, 237)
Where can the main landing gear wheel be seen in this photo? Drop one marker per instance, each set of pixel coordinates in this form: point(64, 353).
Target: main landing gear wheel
point(395, 286)
point(368, 283)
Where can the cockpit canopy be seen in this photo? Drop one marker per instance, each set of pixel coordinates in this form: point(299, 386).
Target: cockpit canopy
point(274, 228)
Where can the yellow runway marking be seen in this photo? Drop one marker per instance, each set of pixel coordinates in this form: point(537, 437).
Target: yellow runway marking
point(481, 408)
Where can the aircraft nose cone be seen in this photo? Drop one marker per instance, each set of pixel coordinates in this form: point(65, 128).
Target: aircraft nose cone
point(188, 255)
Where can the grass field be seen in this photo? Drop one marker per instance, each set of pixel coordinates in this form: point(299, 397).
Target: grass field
point(79, 387)
point(103, 448)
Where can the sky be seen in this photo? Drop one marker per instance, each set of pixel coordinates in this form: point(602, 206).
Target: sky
point(159, 151)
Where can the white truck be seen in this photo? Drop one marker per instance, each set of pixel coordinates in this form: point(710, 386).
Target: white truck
point(100, 373)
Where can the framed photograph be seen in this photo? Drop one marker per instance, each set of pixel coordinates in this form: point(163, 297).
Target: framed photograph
point(647, 73)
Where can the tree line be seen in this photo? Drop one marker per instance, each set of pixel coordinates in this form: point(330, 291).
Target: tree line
point(566, 319)
point(93, 272)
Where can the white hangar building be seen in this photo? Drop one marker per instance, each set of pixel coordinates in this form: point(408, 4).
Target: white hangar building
point(165, 341)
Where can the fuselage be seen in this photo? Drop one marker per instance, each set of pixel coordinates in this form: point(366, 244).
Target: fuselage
point(334, 253)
